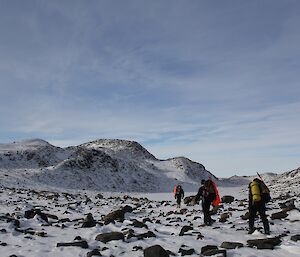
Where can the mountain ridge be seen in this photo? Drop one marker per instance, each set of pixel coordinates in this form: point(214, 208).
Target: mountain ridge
point(102, 164)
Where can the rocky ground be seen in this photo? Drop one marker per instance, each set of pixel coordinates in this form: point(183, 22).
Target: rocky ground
point(55, 223)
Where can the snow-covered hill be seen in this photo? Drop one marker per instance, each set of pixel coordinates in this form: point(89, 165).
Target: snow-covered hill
point(104, 165)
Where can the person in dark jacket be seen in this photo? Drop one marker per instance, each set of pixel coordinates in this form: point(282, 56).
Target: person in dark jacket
point(179, 195)
point(257, 206)
point(208, 194)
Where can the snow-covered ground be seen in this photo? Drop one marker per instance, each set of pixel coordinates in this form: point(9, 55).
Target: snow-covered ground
point(156, 211)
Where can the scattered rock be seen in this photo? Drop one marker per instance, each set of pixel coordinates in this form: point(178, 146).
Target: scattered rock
point(145, 235)
point(231, 245)
point(295, 237)
point(224, 217)
point(106, 237)
point(155, 251)
point(227, 199)
point(190, 200)
point(82, 244)
point(94, 252)
point(186, 251)
point(279, 215)
point(265, 243)
point(185, 229)
point(89, 221)
point(245, 216)
point(117, 215)
point(208, 248)
point(139, 224)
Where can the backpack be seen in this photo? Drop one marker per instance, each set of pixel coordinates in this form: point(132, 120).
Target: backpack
point(259, 191)
point(255, 191)
point(217, 200)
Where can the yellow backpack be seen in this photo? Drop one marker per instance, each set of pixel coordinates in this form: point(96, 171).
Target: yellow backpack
point(255, 191)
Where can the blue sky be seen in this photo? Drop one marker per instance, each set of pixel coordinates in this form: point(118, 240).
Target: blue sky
point(215, 81)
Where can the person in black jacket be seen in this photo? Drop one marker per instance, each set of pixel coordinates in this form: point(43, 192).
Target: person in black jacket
point(257, 206)
point(208, 194)
point(179, 195)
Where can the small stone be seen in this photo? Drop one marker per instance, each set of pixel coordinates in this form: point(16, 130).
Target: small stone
point(94, 252)
point(295, 237)
point(186, 251)
point(82, 244)
point(227, 199)
point(185, 229)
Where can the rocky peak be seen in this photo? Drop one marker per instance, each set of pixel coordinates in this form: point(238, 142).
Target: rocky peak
point(123, 148)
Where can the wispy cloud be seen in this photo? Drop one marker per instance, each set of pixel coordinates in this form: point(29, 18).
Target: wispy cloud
point(217, 83)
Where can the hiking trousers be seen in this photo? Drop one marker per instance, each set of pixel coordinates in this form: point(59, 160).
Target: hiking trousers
point(261, 209)
point(206, 202)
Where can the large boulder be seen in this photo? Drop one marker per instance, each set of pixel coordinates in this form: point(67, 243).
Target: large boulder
point(106, 237)
point(231, 245)
point(265, 243)
point(155, 251)
point(279, 215)
point(117, 215)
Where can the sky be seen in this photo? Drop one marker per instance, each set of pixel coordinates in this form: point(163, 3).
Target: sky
point(215, 81)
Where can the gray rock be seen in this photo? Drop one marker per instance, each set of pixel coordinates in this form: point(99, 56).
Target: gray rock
point(145, 235)
point(224, 217)
point(227, 199)
point(185, 229)
point(231, 245)
point(295, 237)
point(117, 215)
point(106, 237)
point(82, 244)
point(190, 200)
point(186, 251)
point(139, 224)
point(155, 251)
point(245, 216)
point(265, 243)
point(279, 215)
point(208, 248)
point(94, 252)
point(89, 221)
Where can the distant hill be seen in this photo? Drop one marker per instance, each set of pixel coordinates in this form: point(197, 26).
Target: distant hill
point(104, 165)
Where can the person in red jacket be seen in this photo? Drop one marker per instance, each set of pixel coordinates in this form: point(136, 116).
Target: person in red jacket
point(208, 194)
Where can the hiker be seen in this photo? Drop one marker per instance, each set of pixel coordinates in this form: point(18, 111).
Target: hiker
point(259, 195)
point(178, 194)
point(209, 194)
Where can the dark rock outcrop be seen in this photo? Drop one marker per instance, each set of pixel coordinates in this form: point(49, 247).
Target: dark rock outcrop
point(155, 251)
point(231, 245)
point(265, 243)
point(227, 199)
point(82, 244)
point(106, 237)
